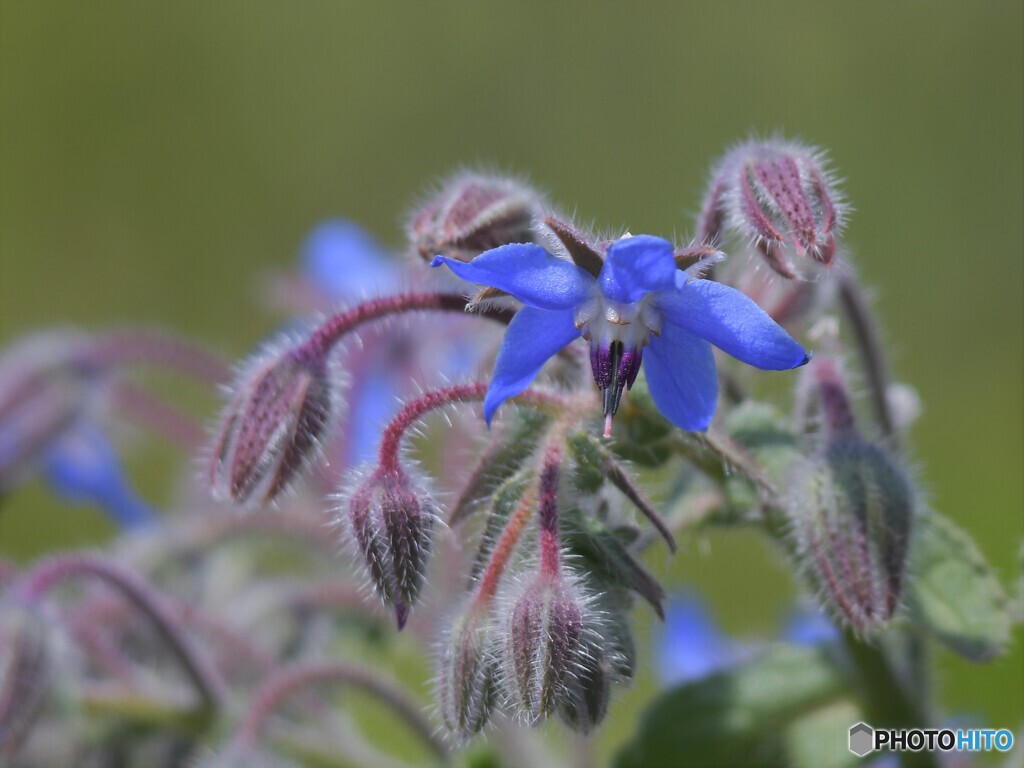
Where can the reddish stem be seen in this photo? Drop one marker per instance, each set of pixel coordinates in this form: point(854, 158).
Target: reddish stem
point(48, 574)
point(550, 553)
point(156, 348)
point(502, 551)
point(337, 326)
point(294, 678)
point(414, 410)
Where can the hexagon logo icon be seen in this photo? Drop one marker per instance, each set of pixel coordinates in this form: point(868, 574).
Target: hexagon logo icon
point(862, 739)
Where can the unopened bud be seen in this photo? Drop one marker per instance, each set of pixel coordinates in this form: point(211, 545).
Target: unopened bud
point(852, 509)
point(549, 656)
point(390, 518)
point(283, 405)
point(585, 702)
point(472, 213)
point(466, 678)
point(44, 388)
point(779, 195)
point(26, 672)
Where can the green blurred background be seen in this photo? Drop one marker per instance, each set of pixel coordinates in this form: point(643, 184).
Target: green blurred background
point(157, 158)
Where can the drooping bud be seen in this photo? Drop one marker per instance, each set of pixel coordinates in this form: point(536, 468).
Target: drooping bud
point(283, 404)
point(585, 702)
point(472, 213)
point(45, 386)
point(543, 646)
point(780, 196)
point(390, 518)
point(851, 509)
point(466, 677)
point(26, 672)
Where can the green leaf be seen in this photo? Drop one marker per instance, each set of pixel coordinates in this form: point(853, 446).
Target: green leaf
point(500, 461)
point(736, 717)
point(606, 559)
point(821, 738)
point(503, 504)
point(954, 592)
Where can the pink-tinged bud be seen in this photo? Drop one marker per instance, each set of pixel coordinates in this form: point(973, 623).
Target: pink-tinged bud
point(552, 656)
point(390, 519)
point(780, 196)
point(26, 672)
point(45, 386)
point(851, 508)
point(472, 213)
point(466, 677)
point(283, 405)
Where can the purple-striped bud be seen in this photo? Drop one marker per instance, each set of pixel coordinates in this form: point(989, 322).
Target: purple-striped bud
point(390, 519)
point(26, 672)
point(472, 213)
point(780, 196)
point(851, 509)
point(549, 653)
point(45, 386)
point(466, 677)
point(283, 404)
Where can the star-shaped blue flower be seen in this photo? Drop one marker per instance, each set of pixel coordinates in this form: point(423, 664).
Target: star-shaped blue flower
point(639, 306)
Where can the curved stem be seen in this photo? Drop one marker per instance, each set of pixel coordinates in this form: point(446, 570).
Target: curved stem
point(155, 348)
point(865, 332)
point(337, 326)
point(414, 410)
point(144, 597)
point(294, 678)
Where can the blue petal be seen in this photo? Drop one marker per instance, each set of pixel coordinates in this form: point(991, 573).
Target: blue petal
point(692, 646)
point(372, 401)
point(635, 266)
point(528, 272)
point(808, 626)
point(681, 377)
point(344, 261)
point(83, 468)
point(532, 337)
point(733, 323)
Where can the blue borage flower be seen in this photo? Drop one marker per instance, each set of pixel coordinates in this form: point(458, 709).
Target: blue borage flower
point(639, 300)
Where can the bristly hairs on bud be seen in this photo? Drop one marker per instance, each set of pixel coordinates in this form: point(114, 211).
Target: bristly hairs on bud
point(550, 634)
point(282, 405)
point(851, 507)
point(471, 212)
point(780, 196)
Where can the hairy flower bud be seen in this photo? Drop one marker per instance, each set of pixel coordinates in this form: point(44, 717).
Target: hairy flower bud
point(44, 389)
point(283, 404)
point(851, 509)
point(472, 213)
point(466, 677)
point(390, 519)
point(26, 672)
point(778, 195)
point(551, 657)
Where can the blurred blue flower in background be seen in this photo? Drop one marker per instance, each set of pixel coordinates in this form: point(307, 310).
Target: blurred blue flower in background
point(693, 646)
point(83, 468)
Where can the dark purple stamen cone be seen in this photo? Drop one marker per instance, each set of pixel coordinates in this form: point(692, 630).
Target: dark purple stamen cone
point(615, 368)
point(272, 427)
point(391, 521)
